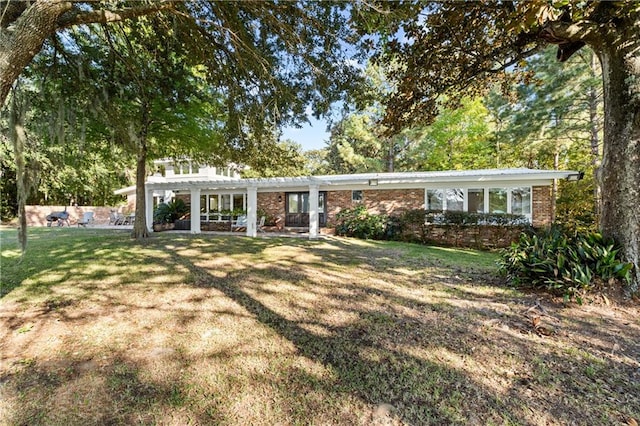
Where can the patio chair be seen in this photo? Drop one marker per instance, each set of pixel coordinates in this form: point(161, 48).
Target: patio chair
point(113, 217)
point(261, 224)
point(87, 219)
point(120, 219)
point(239, 224)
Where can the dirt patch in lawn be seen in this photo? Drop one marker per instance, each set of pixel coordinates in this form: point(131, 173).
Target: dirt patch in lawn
point(235, 331)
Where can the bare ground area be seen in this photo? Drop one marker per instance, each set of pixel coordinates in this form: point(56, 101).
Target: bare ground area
point(209, 330)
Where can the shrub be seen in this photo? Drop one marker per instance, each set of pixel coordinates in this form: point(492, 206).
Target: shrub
point(358, 222)
point(562, 264)
point(466, 218)
point(170, 212)
point(416, 225)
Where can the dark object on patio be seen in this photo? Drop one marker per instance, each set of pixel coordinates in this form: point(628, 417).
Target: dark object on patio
point(59, 217)
point(182, 225)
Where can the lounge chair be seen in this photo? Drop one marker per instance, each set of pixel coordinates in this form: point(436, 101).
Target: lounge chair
point(87, 219)
point(261, 224)
point(239, 224)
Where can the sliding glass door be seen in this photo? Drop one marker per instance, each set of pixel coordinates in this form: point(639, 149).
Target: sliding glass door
point(297, 209)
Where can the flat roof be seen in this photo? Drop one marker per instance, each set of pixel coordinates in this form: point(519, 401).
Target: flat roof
point(372, 180)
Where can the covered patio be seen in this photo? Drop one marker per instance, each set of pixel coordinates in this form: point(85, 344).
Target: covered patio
point(249, 188)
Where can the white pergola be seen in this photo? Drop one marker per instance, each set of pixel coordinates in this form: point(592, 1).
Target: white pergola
point(250, 186)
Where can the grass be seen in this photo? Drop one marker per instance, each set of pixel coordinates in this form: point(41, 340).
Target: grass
point(96, 328)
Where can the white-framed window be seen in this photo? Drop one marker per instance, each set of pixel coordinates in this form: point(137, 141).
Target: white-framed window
point(521, 201)
point(435, 200)
point(357, 196)
point(454, 200)
point(215, 207)
point(185, 167)
point(475, 200)
point(499, 200)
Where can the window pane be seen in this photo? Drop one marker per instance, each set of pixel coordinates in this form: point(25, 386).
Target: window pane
point(476, 201)
point(356, 195)
point(434, 199)
point(226, 202)
point(195, 168)
point(304, 202)
point(203, 204)
point(293, 203)
point(213, 203)
point(497, 200)
point(176, 168)
point(521, 201)
point(455, 199)
point(238, 201)
point(321, 201)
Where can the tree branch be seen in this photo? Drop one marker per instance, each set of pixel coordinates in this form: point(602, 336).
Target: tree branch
point(103, 16)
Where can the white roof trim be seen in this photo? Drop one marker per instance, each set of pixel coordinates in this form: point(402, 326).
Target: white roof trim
point(385, 180)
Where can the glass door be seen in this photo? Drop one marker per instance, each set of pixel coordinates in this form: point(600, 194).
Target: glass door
point(297, 209)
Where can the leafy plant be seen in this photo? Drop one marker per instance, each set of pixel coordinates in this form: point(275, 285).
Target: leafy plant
point(170, 212)
point(358, 222)
point(561, 263)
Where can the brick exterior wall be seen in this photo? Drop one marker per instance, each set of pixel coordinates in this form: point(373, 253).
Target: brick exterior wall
point(542, 212)
point(383, 201)
point(37, 215)
point(273, 204)
point(393, 201)
point(336, 201)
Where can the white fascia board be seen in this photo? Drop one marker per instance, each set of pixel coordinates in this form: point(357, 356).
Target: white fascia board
point(487, 178)
point(125, 191)
point(422, 178)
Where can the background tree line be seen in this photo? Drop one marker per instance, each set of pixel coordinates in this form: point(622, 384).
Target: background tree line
point(552, 119)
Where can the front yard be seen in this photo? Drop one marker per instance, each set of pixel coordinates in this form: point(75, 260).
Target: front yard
point(98, 329)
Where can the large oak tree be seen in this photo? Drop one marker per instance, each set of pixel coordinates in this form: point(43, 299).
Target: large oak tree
point(270, 60)
point(459, 48)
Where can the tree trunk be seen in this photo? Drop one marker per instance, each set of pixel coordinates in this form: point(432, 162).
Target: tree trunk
point(20, 43)
point(594, 129)
point(620, 169)
point(140, 225)
point(391, 155)
point(18, 138)
point(554, 185)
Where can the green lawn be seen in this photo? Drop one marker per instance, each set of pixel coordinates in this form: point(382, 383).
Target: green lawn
point(99, 329)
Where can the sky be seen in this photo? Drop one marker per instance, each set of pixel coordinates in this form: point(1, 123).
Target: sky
point(310, 136)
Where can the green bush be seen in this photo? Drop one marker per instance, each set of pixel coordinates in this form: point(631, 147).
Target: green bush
point(358, 222)
point(466, 218)
point(170, 212)
point(563, 264)
point(415, 225)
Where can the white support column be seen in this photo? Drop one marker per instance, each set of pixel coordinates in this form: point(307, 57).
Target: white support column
point(313, 212)
point(148, 208)
point(195, 211)
point(252, 211)
point(486, 199)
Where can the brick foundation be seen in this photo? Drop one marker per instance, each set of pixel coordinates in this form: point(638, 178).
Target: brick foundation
point(482, 237)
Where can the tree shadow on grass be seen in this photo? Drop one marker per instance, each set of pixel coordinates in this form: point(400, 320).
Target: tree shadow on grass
point(419, 391)
point(386, 347)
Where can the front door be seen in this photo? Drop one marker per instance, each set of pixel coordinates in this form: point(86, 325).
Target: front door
point(297, 208)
